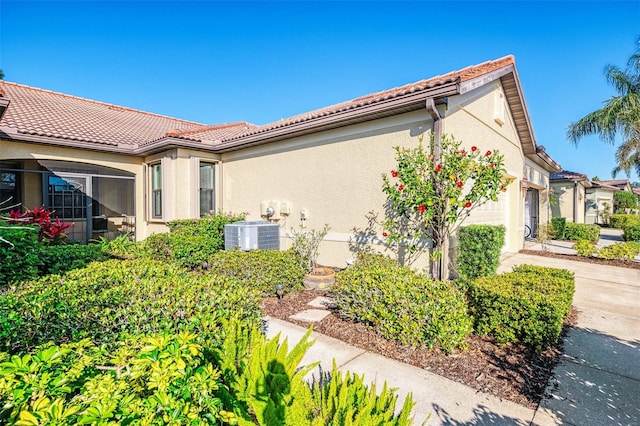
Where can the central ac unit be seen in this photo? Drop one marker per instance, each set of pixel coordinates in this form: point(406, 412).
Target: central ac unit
point(252, 235)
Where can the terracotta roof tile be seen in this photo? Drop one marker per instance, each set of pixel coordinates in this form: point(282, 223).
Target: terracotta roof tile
point(44, 113)
point(567, 175)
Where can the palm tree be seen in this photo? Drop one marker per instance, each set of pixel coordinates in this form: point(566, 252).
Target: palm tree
point(619, 115)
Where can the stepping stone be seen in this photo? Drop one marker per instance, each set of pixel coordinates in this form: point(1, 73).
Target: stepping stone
point(322, 303)
point(310, 315)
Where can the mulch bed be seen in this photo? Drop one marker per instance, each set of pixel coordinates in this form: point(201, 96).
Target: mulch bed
point(512, 372)
point(619, 263)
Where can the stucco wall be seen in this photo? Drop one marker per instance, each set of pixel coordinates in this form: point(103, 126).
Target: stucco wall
point(595, 204)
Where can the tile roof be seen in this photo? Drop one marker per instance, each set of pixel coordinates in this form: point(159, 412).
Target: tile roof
point(99, 125)
point(567, 175)
point(618, 183)
point(601, 184)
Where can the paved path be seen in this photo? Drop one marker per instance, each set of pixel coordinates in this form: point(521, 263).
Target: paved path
point(598, 379)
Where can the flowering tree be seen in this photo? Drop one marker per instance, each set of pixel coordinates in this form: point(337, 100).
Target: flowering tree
point(429, 197)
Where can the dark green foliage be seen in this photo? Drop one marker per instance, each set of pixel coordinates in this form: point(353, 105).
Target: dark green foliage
point(632, 233)
point(20, 255)
point(624, 200)
point(402, 305)
point(109, 300)
point(527, 305)
point(581, 231)
point(558, 226)
point(479, 249)
point(63, 258)
point(622, 221)
point(191, 242)
point(260, 269)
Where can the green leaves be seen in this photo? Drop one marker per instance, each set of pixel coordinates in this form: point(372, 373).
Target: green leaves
point(479, 248)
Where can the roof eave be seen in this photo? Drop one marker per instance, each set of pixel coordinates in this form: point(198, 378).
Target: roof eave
point(402, 104)
point(170, 142)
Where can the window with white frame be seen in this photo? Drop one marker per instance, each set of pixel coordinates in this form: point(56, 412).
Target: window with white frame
point(156, 191)
point(207, 193)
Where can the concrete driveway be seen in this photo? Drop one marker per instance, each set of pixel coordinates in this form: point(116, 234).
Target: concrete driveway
point(597, 382)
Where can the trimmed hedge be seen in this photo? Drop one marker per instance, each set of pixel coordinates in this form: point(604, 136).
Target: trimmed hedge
point(527, 305)
point(479, 249)
point(63, 258)
point(632, 233)
point(260, 270)
point(558, 227)
point(19, 260)
point(108, 301)
point(581, 231)
point(191, 242)
point(585, 248)
point(622, 221)
point(620, 251)
point(401, 304)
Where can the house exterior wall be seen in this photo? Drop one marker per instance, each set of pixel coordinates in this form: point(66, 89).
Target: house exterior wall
point(563, 194)
point(597, 199)
point(336, 175)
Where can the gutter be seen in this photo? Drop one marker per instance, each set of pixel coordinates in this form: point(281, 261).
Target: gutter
point(437, 127)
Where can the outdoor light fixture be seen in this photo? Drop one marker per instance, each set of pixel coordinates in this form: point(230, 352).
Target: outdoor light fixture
point(280, 292)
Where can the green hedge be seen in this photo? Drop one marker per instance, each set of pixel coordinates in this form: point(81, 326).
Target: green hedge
point(19, 254)
point(260, 269)
point(107, 301)
point(620, 251)
point(582, 231)
point(401, 304)
point(558, 227)
point(527, 305)
point(632, 233)
point(191, 242)
point(479, 249)
point(622, 221)
point(63, 258)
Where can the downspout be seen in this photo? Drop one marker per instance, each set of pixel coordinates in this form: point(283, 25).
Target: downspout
point(575, 202)
point(437, 127)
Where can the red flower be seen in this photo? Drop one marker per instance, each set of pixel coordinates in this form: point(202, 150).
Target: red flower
point(421, 208)
point(460, 184)
point(400, 187)
point(394, 173)
point(488, 153)
point(438, 167)
point(384, 234)
point(474, 148)
point(467, 204)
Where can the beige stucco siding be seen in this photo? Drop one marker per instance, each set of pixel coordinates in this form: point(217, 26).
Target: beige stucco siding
point(598, 200)
point(569, 201)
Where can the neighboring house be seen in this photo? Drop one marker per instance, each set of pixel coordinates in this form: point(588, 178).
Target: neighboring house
point(599, 202)
point(109, 169)
point(569, 193)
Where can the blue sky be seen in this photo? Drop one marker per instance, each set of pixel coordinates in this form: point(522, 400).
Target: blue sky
point(217, 62)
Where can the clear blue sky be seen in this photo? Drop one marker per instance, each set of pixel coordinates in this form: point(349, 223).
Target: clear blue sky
point(217, 62)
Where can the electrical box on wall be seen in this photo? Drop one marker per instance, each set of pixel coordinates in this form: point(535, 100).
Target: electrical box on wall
point(285, 208)
point(275, 205)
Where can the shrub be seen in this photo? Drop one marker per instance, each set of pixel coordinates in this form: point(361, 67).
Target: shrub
point(20, 254)
point(581, 231)
point(402, 305)
point(585, 248)
point(619, 251)
point(63, 258)
point(632, 233)
point(50, 231)
point(123, 247)
point(261, 270)
point(479, 249)
point(622, 221)
point(558, 226)
point(175, 379)
point(527, 305)
point(191, 242)
point(107, 301)
point(624, 200)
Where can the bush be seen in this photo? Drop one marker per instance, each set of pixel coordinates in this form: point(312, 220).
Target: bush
point(175, 379)
point(108, 301)
point(527, 305)
point(20, 254)
point(261, 270)
point(581, 231)
point(624, 200)
point(63, 258)
point(558, 227)
point(479, 249)
point(122, 247)
point(619, 251)
point(622, 221)
point(191, 242)
point(632, 233)
point(585, 248)
point(402, 305)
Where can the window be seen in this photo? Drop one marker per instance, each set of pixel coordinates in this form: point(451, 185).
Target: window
point(207, 194)
point(156, 191)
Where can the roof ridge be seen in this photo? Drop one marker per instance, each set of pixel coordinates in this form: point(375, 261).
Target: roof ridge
point(93, 101)
point(206, 127)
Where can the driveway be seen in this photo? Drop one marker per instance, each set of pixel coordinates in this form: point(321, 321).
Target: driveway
point(597, 381)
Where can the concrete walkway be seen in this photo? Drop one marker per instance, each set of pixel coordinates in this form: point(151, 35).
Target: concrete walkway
point(596, 383)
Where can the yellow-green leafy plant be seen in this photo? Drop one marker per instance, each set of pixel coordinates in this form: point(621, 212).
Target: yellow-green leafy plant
point(585, 248)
